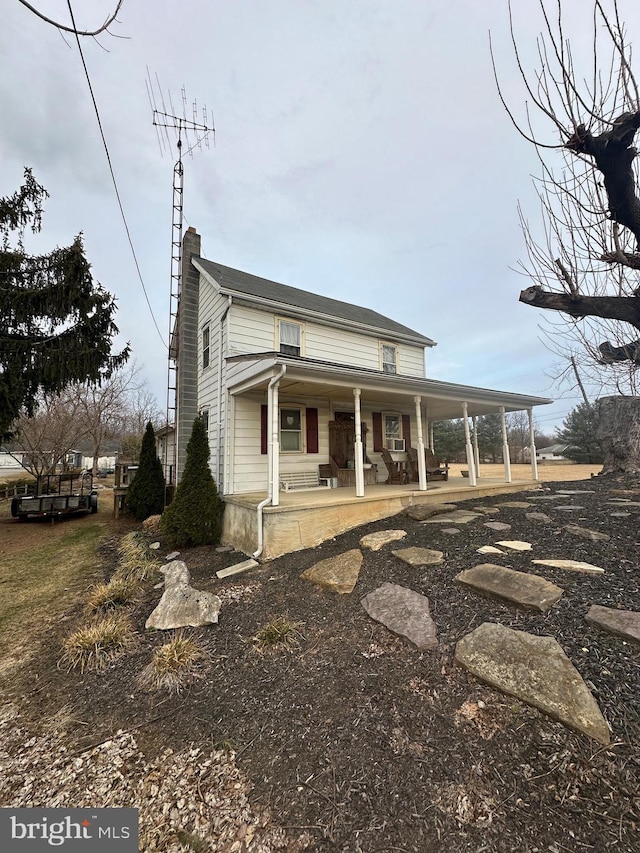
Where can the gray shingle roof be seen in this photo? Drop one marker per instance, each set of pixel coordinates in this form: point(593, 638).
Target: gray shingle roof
point(261, 288)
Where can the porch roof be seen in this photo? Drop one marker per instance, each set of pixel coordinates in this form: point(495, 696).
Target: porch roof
point(305, 377)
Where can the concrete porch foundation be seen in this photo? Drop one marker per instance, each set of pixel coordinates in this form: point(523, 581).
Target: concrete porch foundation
point(305, 519)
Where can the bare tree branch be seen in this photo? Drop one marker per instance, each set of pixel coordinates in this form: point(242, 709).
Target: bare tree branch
point(67, 29)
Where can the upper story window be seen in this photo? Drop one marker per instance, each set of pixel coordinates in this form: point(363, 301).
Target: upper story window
point(289, 337)
point(389, 358)
point(290, 429)
point(206, 348)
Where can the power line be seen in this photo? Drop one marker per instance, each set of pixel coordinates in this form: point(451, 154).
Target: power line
point(113, 177)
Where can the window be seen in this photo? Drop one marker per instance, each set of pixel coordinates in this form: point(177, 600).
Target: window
point(290, 430)
point(389, 358)
point(206, 348)
point(204, 414)
point(289, 337)
point(392, 439)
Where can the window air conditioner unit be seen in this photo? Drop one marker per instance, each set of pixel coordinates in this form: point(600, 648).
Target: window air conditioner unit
point(395, 444)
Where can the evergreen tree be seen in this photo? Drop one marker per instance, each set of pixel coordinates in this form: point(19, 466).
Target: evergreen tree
point(195, 515)
point(56, 324)
point(145, 495)
point(489, 429)
point(579, 432)
point(448, 438)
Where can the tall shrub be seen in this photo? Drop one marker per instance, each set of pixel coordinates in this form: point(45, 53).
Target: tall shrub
point(145, 495)
point(195, 515)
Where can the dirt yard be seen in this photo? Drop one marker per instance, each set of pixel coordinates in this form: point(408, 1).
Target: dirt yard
point(350, 740)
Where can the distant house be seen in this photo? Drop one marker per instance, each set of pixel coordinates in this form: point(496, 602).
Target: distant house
point(288, 380)
point(553, 453)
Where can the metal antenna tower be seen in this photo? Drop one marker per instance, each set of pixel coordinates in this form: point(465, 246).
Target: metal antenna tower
point(181, 126)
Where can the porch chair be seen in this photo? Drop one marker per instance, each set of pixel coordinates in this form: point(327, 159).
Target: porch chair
point(435, 470)
point(397, 472)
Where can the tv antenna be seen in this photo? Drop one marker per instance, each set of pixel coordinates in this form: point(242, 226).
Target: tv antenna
point(195, 134)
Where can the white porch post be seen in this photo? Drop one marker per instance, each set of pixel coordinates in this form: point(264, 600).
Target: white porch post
point(532, 446)
point(422, 463)
point(505, 447)
point(467, 441)
point(476, 452)
point(275, 445)
point(359, 461)
point(431, 441)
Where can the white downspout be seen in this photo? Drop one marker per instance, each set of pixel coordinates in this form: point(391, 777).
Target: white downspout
point(273, 446)
point(219, 410)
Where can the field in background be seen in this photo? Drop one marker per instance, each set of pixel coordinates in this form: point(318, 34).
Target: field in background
point(548, 472)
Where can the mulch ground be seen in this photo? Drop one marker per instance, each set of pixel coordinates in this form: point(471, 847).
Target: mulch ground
point(360, 742)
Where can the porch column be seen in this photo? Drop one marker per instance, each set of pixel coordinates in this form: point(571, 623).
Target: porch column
point(467, 441)
point(476, 452)
point(532, 446)
point(505, 447)
point(431, 441)
point(275, 444)
point(359, 461)
point(422, 462)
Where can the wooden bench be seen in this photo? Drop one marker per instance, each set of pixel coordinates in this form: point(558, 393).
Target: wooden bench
point(303, 480)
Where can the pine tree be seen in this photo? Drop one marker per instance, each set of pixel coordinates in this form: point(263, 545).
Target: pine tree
point(195, 515)
point(579, 432)
point(56, 324)
point(145, 495)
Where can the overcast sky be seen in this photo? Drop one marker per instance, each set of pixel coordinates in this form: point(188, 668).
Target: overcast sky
point(361, 152)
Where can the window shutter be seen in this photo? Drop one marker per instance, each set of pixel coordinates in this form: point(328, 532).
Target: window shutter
point(264, 414)
point(312, 430)
point(406, 430)
point(377, 431)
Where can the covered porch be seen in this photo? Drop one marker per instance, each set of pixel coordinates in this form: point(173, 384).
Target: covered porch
point(306, 518)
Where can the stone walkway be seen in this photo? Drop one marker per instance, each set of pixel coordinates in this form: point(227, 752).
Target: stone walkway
point(533, 668)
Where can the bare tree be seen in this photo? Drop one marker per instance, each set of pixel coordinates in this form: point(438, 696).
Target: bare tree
point(586, 266)
point(49, 435)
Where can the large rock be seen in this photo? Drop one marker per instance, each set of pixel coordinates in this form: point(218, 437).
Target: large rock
point(378, 540)
point(404, 612)
point(529, 591)
point(537, 671)
point(419, 556)
point(585, 533)
point(181, 605)
point(420, 512)
point(624, 623)
point(497, 525)
point(337, 574)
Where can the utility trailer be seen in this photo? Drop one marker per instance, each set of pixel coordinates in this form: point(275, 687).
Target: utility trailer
point(58, 495)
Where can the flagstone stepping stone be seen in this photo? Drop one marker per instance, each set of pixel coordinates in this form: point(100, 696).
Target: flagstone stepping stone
point(419, 556)
point(375, 541)
point(575, 492)
point(535, 670)
point(515, 545)
point(569, 507)
point(620, 514)
point(337, 574)
point(404, 612)
point(620, 503)
point(546, 497)
point(497, 525)
point(571, 566)
point(516, 504)
point(450, 531)
point(459, 516)
point(538, 516)
point(623, 623)
point(585, 533)
point(529, 591)
point(420, 512)
point(487, 510)
point(489, 549)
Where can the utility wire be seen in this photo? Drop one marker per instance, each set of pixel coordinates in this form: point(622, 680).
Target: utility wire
point(113, 177)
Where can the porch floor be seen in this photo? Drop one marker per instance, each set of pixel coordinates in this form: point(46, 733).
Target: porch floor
point(307, 517)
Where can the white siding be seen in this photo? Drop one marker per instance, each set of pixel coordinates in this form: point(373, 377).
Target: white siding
point(252, 330)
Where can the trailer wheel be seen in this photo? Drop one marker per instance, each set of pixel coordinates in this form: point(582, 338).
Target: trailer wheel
point(93, 501)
